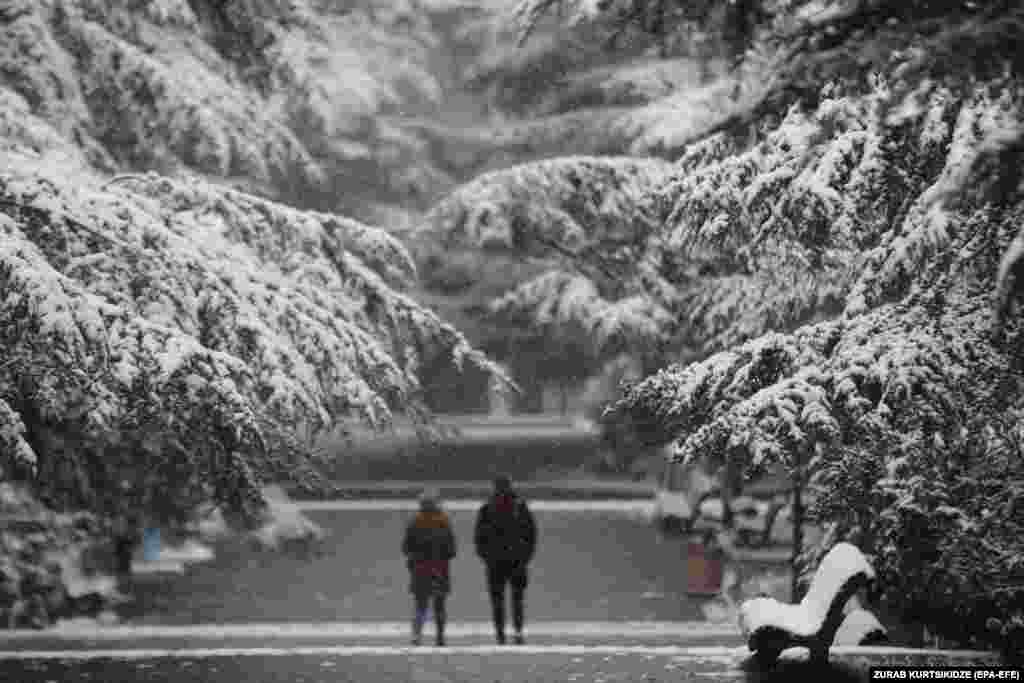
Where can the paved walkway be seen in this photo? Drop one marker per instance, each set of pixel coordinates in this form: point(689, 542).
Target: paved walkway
point(400, 665)
point(601, 561)
point(638, 509)
point(596, 561)
point(609, 662)
point(84, 634)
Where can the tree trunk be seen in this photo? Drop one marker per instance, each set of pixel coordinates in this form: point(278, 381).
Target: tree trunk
point(725, 486)
point(798, 531)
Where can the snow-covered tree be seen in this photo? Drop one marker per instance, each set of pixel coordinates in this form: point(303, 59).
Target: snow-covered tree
point(282, 98)
point(889, 206)
point(167, 333)
point(177, 340)
point(675, 27)
point(573, 234)
point(768, 165)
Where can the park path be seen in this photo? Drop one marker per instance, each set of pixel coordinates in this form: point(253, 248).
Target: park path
point(607, 603)
point(610, 661)
point(597, 561)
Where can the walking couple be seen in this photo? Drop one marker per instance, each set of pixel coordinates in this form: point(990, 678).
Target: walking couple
point(505, 537)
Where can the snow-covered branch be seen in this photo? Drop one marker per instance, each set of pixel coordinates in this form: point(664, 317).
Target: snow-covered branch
point(196, 315)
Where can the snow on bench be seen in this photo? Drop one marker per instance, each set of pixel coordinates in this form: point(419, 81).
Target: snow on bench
point(772, 626)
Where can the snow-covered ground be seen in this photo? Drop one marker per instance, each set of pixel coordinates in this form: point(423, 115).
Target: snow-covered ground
point(723, 654)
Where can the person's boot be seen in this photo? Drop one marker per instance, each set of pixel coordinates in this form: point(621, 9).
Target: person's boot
point(439, 640)
point(498, 614)
point(518, 616)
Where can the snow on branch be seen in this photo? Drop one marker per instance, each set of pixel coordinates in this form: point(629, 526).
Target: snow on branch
point(685, 399)
point(983, 124)
point(894, 370)
point(222, 306)
point(567, 305)
point(183, 114)
point(92, 373)
point(1010, 278)
point(805, 175)
point(569, 200)
point(834, 206)
point(528, 13)
point(150, 85)
point(17, 452)
point(589, 221)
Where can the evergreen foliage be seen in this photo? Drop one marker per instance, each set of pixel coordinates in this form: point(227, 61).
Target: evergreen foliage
point(170, 334)
point(282, 98)
point(813, 207)
point(890, 207)
point(574, 233)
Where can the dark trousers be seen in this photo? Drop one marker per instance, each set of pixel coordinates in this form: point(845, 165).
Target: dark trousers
point(423, 600)
point(498, 575)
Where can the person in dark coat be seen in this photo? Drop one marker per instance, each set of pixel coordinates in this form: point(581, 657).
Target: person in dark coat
point(506, 539)
point(429, 546)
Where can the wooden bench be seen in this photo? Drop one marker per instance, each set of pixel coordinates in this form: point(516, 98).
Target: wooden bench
point(772, 626)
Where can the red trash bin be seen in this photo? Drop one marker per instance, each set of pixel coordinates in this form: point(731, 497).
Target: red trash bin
point(703, 570)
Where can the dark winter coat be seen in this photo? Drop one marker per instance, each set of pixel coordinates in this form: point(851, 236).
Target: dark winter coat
point(506, 532)
point(429, 546)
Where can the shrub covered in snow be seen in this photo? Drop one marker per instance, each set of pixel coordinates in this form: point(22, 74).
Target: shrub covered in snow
point(45, 572)
point(285, 527)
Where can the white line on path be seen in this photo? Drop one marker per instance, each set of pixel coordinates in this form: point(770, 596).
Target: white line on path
point(643, 506)
point(729, 654)
point(385, 629)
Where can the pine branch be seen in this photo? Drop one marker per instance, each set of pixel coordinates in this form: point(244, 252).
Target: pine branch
point(123, 178)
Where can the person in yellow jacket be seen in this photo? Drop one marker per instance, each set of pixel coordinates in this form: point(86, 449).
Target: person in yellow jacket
point(429, 546)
